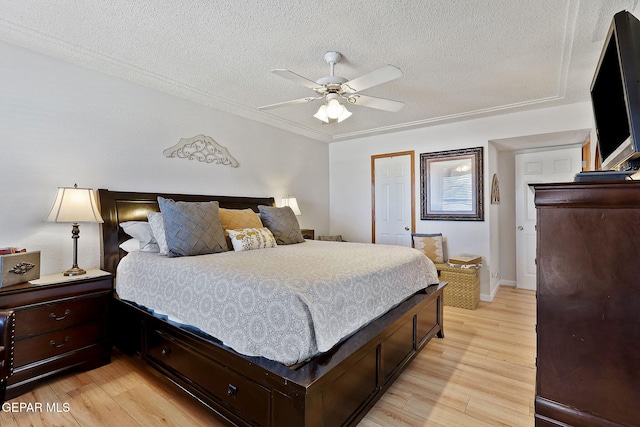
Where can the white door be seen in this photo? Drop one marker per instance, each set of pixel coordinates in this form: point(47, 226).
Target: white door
point(559, 165)
point(392, 199)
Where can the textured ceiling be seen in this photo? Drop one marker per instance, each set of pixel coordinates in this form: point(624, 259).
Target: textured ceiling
point(460, 58)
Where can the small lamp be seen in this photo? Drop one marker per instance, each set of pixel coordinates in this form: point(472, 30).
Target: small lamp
point(75, 205)
point(292, 203)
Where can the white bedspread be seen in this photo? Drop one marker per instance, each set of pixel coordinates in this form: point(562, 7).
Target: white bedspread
point(287, 303)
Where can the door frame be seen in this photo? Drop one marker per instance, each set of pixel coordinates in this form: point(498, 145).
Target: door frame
point(411, 155)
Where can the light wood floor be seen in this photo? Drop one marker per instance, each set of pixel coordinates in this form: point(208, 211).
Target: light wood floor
point(481, 374)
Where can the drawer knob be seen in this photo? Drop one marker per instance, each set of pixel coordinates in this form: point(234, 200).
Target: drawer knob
point(232, 391)
point(165, 351)
point(56, 318)
point(52, 343)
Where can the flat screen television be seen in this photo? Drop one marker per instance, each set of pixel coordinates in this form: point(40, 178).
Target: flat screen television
point(615, 95)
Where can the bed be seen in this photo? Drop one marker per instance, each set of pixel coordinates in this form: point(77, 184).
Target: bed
point(328, 388)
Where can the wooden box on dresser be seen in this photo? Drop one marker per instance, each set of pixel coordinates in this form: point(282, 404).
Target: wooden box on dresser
point(588, 304)
point(60, 323)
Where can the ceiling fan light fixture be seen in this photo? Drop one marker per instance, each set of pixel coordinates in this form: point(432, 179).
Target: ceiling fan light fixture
point(322, 114)
point(334, 109)
point(345, 114)
point(327, 115)
point(333, 87)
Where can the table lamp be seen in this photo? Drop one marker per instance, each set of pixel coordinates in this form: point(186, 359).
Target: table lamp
point(292, 203)
point(75, 205)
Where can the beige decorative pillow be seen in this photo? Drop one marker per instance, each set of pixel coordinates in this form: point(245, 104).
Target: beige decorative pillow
point(238, 219)
point(431, 245)
point(252, 238)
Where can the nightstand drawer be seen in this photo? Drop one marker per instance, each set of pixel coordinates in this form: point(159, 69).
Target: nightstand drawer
point(55, 343)
point(53, 317)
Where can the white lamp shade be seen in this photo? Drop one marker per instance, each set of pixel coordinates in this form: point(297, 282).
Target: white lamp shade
point(345, 114)
point(331, 111)
point(292, 203)
point(334, 109)
point(322, 114)
point(75, 205)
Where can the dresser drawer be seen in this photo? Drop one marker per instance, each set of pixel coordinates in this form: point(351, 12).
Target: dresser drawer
point(55, 343)
point(53, 317)
point(234, 391)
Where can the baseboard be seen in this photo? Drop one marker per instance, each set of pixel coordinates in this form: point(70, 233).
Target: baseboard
point(492, 295)
point(511, 283)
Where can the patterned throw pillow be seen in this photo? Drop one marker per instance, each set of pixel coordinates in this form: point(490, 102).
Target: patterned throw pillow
point(252, 238)
point(283, 224)
point(431, 245)
point(192, 228)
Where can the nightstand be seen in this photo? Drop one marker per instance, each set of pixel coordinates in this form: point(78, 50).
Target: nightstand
point(308, 233)
point(60, 323)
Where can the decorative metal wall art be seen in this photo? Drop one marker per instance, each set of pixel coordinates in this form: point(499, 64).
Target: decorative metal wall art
point(203, 149)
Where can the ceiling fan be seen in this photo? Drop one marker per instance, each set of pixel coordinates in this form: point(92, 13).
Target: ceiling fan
point(333, 88)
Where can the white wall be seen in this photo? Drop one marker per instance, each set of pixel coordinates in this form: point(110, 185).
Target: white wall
point(350, 176)
point(62, 124)
point(507, 212)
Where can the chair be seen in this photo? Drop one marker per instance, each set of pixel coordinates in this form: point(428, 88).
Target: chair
point(336, 238)
point(7, 327)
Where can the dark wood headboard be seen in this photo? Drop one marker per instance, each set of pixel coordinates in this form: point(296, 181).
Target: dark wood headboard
point(121, 206)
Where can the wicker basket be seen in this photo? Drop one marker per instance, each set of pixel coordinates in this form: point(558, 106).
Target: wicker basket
point(463, 288)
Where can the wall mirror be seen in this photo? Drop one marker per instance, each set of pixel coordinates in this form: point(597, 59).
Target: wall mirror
point(451, 185)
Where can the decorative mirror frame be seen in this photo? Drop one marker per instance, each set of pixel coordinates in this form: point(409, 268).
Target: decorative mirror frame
point(435, 168)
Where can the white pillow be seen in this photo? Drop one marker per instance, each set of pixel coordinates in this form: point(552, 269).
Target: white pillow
point(252, 238)
point(130, 245)
point(157, 227)
point(141, 231)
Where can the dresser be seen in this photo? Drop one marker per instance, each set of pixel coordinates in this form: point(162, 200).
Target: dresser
point(58, 323)
point(588, 304)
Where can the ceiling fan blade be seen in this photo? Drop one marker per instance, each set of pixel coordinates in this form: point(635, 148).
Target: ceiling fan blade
point(295, 101)
point(373, 102)
point(296, 78)
point(374, 78)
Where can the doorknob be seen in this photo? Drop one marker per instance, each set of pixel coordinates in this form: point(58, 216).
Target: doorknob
point(520, 228)
point(407, 228)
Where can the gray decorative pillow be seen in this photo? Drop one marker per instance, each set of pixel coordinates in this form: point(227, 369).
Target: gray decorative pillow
point(192, 228)
point(283, 224)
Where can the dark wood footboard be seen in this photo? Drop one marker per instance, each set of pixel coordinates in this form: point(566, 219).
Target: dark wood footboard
point(333, 389)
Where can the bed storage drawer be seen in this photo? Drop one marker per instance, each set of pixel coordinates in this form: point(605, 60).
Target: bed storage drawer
point(52, 317)
point(234, 391)
point(397, 348)
point(427, 321)
point(357, 385)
